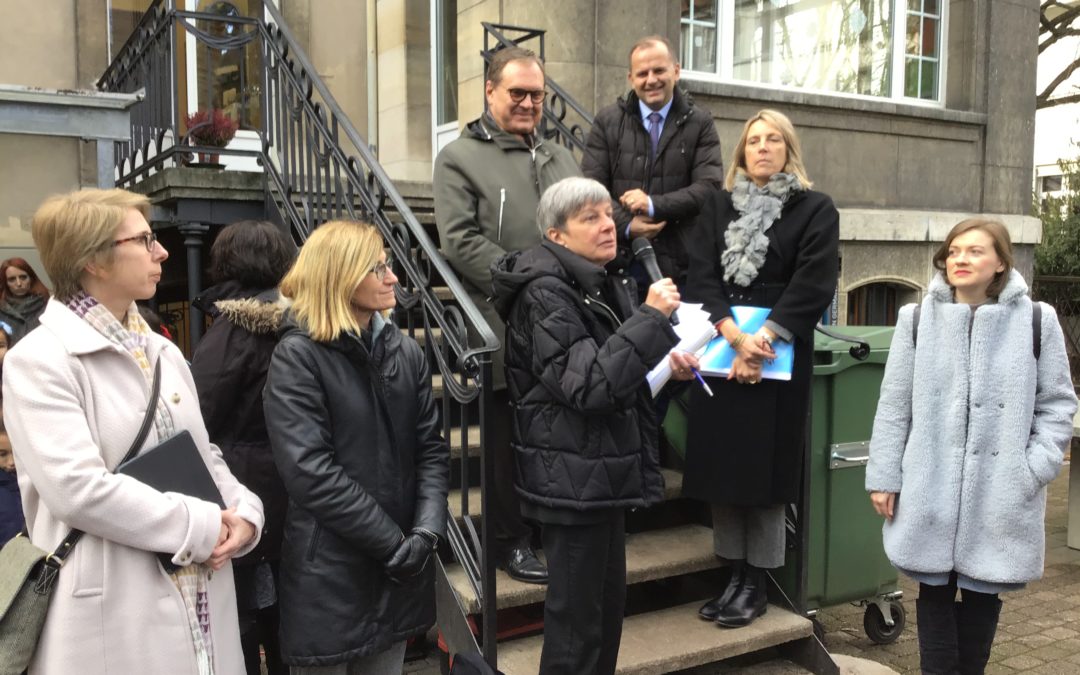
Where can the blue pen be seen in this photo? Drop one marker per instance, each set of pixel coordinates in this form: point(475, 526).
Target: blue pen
point(701, 379)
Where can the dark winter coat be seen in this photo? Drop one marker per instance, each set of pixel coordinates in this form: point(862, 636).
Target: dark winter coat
point(577, 352)
point(11, 513)
point(229, 367)
point(687, 169)
point(745, 444)
point(355, 434)
point(22, 315)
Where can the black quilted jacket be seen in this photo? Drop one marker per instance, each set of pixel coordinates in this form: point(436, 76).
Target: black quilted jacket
point(577, 352)
point(686, 170)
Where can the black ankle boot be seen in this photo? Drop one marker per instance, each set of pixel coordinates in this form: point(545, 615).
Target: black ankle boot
point(938, 653)
point(711, 609)
point(976, 625)
point(749, 602)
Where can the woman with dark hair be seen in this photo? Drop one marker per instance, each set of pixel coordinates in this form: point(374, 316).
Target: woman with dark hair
point(247, 260)
point(975, 413)
point(22, 297)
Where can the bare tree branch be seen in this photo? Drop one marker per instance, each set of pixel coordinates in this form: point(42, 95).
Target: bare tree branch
point(1051, 31)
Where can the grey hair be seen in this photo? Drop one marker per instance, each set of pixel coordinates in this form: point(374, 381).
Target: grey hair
point(565, 198)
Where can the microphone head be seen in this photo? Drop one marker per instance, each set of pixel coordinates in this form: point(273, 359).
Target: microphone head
point(641, 246)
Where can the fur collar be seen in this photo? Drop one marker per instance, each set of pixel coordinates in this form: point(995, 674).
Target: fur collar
point(253, 315)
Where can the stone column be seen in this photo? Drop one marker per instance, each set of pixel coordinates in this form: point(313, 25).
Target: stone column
point(194, 234)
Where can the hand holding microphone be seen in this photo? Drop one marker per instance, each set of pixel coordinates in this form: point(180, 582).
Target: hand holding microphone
point(663, 295)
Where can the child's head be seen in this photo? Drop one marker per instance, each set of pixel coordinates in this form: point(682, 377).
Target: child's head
point(7, 460)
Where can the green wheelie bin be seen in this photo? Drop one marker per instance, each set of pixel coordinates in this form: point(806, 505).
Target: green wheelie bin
point(844, 559)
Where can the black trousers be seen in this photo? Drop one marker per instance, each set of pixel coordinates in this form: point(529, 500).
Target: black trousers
point(586, 596)
point(510, 529)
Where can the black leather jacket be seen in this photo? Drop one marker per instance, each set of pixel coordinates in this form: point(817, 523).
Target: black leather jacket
point(356, 437)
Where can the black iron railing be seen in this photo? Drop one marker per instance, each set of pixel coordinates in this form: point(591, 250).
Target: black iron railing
point(317, 168)
point(564, 120)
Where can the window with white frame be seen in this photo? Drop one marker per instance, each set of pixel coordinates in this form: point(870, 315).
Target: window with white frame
point(843, 46)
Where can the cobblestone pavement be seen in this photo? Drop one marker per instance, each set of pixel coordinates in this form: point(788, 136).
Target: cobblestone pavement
point(1039, 630)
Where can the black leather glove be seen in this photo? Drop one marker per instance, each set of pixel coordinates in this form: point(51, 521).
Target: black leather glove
point(411, 556)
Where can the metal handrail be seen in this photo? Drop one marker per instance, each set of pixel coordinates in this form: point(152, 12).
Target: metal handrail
point(554, 124)
point(310, 178)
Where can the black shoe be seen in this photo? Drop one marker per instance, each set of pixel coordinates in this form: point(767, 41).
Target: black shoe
point(749, 602)
point(522, 564)
point(711, 609)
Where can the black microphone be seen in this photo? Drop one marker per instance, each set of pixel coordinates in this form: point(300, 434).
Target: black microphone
point(644, 254)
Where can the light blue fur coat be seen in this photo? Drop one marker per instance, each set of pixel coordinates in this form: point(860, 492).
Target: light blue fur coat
point(969, 431)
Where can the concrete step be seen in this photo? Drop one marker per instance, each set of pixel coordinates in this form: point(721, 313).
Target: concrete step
point(673, 639)
point(473, 438)
point(672, 490)
point(651, 555)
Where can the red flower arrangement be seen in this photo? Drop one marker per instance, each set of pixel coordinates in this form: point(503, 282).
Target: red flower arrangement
point(211, 128)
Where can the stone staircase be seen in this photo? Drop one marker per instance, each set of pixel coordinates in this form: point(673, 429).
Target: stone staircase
point(668, 552)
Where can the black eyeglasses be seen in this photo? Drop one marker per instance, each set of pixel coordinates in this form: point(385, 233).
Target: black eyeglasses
point(147, 238)
point(518, 95)
point(381, 269)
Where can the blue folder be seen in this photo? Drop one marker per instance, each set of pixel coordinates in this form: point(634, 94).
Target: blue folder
point(719, 355)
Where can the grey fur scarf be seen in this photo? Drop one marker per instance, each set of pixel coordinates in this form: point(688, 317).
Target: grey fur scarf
point(758, 208)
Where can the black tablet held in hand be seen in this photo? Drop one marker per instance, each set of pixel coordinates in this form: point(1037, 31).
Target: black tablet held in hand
point(175, 465)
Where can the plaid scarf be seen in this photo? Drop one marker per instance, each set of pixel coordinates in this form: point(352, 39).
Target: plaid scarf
point(134, 336)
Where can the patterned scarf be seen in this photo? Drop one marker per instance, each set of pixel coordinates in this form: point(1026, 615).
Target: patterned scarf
point(758, 208)
point(134, 336)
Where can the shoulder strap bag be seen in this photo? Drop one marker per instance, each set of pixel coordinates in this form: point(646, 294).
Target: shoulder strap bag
point(28, 574)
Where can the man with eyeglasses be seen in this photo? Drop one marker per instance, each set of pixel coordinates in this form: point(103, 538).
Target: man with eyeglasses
point(658, 155)
point(487, 185)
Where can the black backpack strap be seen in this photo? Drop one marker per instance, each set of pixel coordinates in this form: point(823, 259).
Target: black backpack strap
point(915, 325)
point(1036, 329)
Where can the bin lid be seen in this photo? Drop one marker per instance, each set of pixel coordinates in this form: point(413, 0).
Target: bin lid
point(836, 353)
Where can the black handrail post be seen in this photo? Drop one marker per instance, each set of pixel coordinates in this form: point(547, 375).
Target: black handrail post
point(489, 596)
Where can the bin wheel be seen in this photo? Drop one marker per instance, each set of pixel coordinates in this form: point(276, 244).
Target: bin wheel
point(876, 628)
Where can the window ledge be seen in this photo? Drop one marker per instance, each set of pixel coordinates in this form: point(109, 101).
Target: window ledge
point(697, 83)
point(903, 225)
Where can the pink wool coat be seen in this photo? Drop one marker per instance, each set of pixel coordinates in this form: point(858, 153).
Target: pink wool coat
point(73, 403)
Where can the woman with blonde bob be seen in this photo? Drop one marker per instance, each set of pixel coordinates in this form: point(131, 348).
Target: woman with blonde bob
point(355, 435)
point(75, 395)
point(765, 241)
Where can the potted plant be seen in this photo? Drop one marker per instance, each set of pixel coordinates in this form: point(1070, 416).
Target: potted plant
point(211, 128)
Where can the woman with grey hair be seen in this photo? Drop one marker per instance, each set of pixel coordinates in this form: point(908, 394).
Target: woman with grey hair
point(584, 431)
point(767, 241)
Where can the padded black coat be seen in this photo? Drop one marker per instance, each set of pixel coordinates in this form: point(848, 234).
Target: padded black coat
point(356, 437)
point(577, 352)
point(687, 169)
point(229, 368)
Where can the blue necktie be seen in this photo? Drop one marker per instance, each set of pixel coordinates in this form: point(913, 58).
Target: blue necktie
point(654, 131)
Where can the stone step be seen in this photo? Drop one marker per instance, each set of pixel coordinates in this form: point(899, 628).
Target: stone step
point(672, 639)
point(651, 555)
point(473, 438)
point(672, 490)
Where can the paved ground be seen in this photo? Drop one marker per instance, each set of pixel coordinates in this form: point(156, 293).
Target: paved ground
point(1039, 630)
